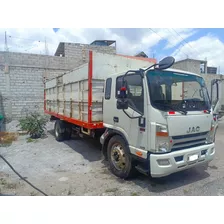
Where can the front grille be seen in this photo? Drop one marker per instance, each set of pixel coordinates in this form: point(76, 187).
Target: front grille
point(187, 141)
point(189, 136)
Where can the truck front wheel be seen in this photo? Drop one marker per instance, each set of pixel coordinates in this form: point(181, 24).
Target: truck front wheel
point(119, 158)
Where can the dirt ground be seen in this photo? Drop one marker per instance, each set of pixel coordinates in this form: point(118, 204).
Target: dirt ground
point(75, 167)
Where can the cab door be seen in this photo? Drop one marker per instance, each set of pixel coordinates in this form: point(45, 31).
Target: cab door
point(136, 113)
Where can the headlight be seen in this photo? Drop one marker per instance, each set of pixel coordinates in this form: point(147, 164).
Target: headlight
point(162, 139)
point(211, 135)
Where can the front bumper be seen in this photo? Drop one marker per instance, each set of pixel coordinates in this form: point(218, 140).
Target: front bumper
point(179, 160)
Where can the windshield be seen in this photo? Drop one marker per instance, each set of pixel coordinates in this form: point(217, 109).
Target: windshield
point(177, 91)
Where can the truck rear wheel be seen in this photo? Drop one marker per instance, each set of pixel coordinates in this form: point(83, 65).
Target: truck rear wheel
point(62, 130)
point(119, 158)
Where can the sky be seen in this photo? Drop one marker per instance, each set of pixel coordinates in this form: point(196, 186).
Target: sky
point(181, 43)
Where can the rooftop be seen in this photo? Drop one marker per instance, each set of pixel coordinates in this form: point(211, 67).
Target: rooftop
point(103, 42)
point(60, 50)
point(61, 47)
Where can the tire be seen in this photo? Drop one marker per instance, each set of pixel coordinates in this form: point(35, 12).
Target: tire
point(62, 130)
point(125, 168)
point(215, 134)
point(68, 131)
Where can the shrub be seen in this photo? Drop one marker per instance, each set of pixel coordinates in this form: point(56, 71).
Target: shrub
point(34, 124)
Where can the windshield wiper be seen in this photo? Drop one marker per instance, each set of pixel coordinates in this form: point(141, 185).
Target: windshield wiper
point(172, 108)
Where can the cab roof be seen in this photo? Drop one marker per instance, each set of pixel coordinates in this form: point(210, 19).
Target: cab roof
point(169, 69)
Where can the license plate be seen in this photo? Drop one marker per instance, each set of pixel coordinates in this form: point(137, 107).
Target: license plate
point(193, 158)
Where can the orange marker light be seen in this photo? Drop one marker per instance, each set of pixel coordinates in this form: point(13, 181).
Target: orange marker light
point(138, 153)
point(162, 134)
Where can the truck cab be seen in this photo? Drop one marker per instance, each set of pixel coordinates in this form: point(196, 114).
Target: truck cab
point(158, 121)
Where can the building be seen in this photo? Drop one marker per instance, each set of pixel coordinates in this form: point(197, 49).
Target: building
point(196, 66)
point(141, 54)
point(79, 51)
point(211, 70)
point(192, 65)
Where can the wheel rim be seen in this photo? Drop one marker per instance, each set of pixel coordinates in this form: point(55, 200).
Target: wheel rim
point(118, 156)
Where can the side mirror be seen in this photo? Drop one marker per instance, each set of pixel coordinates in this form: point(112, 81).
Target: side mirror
point(163, 64)
point(166, 63)
point(122, 104)
point(122, 93)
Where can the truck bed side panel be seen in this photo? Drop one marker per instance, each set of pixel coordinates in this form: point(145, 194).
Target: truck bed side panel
point(77, 96)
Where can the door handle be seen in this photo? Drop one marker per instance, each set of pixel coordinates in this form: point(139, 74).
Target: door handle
point(116, 119)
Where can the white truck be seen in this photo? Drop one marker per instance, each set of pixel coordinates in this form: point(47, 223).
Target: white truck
point(148, 117)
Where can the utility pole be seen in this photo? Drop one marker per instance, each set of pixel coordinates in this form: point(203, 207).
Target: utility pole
point(7, 81)
point(6, 54)
point(153, 55)
point(6, 43)
point(46, 60)
point(46, 47)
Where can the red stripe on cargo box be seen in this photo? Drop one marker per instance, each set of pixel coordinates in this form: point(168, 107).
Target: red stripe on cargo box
point(96, 125)
point(90, 77)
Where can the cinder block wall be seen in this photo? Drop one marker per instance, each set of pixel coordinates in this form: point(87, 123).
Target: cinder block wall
point(191, 66)
point(22, 87)
point(79, 51)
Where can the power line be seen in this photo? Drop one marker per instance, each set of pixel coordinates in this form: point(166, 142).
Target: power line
point(24, 48)
point(24, 39)
point(156, 33)
point(166, 39)
point(185, 40)
point(176, 38)
point(31, 48)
